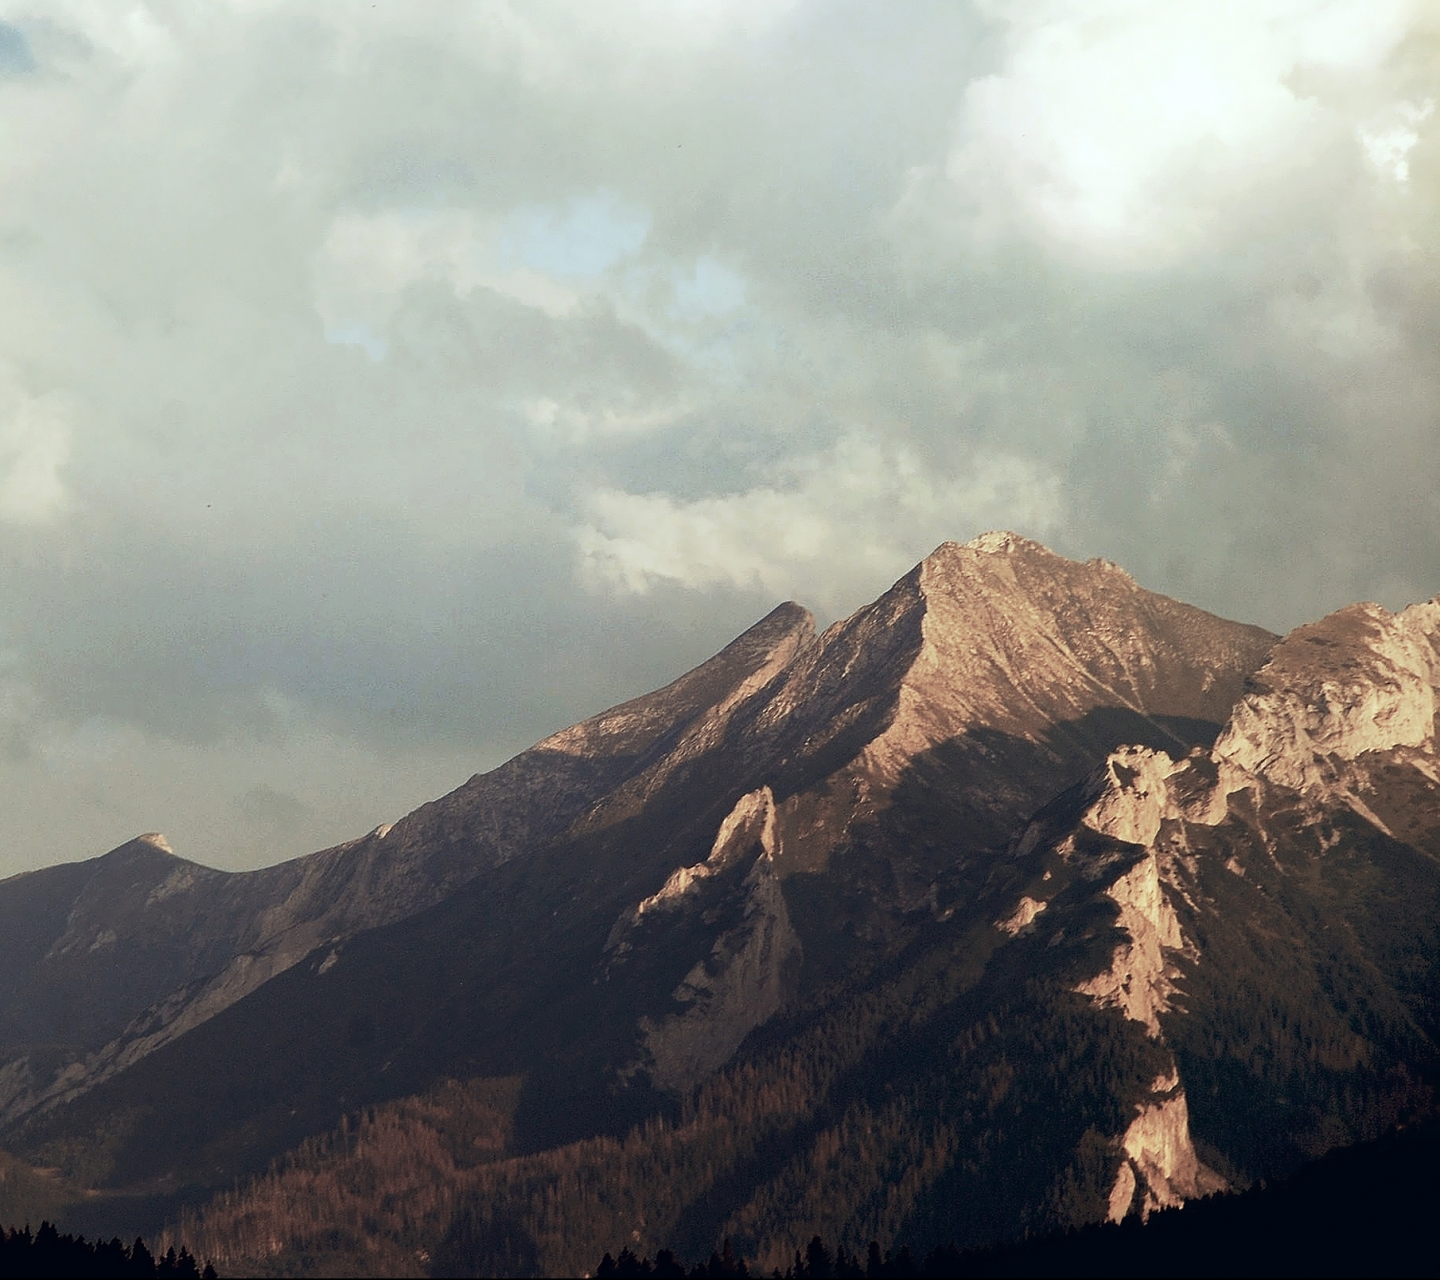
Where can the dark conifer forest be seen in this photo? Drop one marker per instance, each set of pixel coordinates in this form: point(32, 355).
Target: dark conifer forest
point(47, 1252)
point(1366, 1210)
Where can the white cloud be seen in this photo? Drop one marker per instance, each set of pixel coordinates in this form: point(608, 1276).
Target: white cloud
point(34, 448)
point(229, 804)
point(711, 289)
point(860, 511)
point(1137, 132)
point(579, 241)
point(569, 44)
point(136, 35)
point(569, 425)
point(19, 701)
point(661, 228)
point(70, 751)
point(1184, 445)
point(543, 257)
point(1389, 145)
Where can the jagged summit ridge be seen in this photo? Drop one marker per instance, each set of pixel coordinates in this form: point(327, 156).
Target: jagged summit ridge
point(1361, 680)
point(1018, 638)
point(1003, 542)
point(998, 542)
point(745, 665)
point(1344, 713)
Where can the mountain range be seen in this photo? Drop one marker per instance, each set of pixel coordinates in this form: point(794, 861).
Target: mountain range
point(1020, 899)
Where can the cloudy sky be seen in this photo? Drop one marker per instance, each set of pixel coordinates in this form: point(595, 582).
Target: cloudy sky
point(386, 385)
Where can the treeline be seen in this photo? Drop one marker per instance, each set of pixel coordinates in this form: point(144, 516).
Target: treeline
point(817, 1263)
point(905, 1112)
point(371, 1198)
point(1365, 1210)
point(48, 1253)
point(1362, 1211)
point(961, 1097)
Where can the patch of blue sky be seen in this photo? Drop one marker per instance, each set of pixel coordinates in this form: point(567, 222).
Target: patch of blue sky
point(581, 241)
point(15, 56)
point(712, 289)
point(695, 313)
point(355, 333)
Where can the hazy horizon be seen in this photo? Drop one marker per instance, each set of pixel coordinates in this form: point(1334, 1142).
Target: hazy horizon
point(383, 388)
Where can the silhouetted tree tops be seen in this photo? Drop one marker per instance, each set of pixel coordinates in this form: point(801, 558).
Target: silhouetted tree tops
point(722, 1266)
point(1361, 1211)
point(46, 1253)
point(817, 1263)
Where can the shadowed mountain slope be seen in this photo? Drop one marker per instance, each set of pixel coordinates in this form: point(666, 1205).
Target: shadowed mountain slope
point(103, 962)
point(1005, 903)
point(802, 834)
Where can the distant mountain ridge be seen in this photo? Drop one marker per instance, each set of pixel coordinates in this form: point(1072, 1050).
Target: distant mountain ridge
point(1023, 897)
point(231, 933)
point(199, 939)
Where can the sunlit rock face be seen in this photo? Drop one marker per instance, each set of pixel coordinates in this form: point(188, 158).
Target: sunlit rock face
point(1328, 760)
point(1362, 680)
point(1341, 702)
point(1022, 897)
point(1139, 980)
point(1160, 1169)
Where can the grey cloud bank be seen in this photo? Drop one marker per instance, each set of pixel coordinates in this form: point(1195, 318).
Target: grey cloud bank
point(382, 388)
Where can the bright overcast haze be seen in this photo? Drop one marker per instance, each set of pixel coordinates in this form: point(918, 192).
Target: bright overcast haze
point(385, 386)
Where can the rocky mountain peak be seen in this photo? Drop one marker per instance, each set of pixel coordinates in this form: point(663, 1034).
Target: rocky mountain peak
point(150, 850)
point(997, 542)
point(744, 665)
point(1360, 681)
point(1019, 638)
point(985, 555)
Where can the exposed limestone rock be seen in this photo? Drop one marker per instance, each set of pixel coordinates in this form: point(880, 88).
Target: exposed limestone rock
point(757, 656)
point(749, 970)
point(1122, 1194)
point(1135, 798)
point(1132, 799)
point(1014, 640)
point(910, 746)
point(999, 635)
point(1160, 1157)
point(1353, 693)
point(1140, 979)
point(1022, 917)
point(994, 674)
point(998, 542)
point(750, 822)
point(231, 933)
point(740, 985)
point(17, 1080)
point(764, 654)
point(1138, 789)
point(185, 876)
point(1362, 680)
